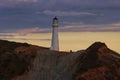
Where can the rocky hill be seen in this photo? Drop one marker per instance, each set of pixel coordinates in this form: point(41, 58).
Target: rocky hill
point(21, 61)
point(15, 58)
point(98, 62)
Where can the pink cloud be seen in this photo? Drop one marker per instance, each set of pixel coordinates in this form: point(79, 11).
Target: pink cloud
point(26, 0)
point(116, 24)
point(80, 27)
point(28, 30)
point(32, 30)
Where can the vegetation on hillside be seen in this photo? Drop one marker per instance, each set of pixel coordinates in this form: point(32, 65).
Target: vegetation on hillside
point(10, 63)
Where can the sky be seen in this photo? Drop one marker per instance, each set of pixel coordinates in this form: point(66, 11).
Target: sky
point(31, 16)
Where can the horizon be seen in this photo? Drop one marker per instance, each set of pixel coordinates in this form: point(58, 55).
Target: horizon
point(69, 40)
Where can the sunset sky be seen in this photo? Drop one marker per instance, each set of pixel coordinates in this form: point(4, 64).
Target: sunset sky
point(81, 22)
point(27, 16)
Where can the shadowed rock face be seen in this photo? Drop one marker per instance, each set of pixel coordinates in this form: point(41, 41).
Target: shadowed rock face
point(27, 62)
point(15, 58)
point(98, 62)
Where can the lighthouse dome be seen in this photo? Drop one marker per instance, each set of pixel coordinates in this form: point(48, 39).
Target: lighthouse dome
point(55, 18)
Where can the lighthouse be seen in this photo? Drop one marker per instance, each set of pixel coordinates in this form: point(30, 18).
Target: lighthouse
point(55, 40)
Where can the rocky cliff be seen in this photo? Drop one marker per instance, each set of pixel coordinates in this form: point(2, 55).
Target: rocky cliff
point(98, 62)
point(28, 62)
point(15, 58)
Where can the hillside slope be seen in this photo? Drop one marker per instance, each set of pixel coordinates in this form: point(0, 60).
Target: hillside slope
point(98, 62)
point(15, 58)
point(21, 61)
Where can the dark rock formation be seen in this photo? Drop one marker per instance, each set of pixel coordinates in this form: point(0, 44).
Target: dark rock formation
point(15, 58)
point(98, 62)
point(21, 61)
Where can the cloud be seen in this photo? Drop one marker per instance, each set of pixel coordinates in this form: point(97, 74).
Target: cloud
point(11, 38)
point(32, 30)
point(14, 2)
point(28, 30)
point(7, 34)
point(65, 3)
point(26, 0)
point(89, 27)
point(83, 3)
point(74, 27)
point(116, 24)
point(73, 23)
point(17, 36)
point(19, 1)
point(67, 13)
point(22, 13)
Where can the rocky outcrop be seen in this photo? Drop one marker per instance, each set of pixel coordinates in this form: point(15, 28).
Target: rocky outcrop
point(98, 62)
point(28, 62)
point(15, 58)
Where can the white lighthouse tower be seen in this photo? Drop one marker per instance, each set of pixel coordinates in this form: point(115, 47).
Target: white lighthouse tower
point(55, 41)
